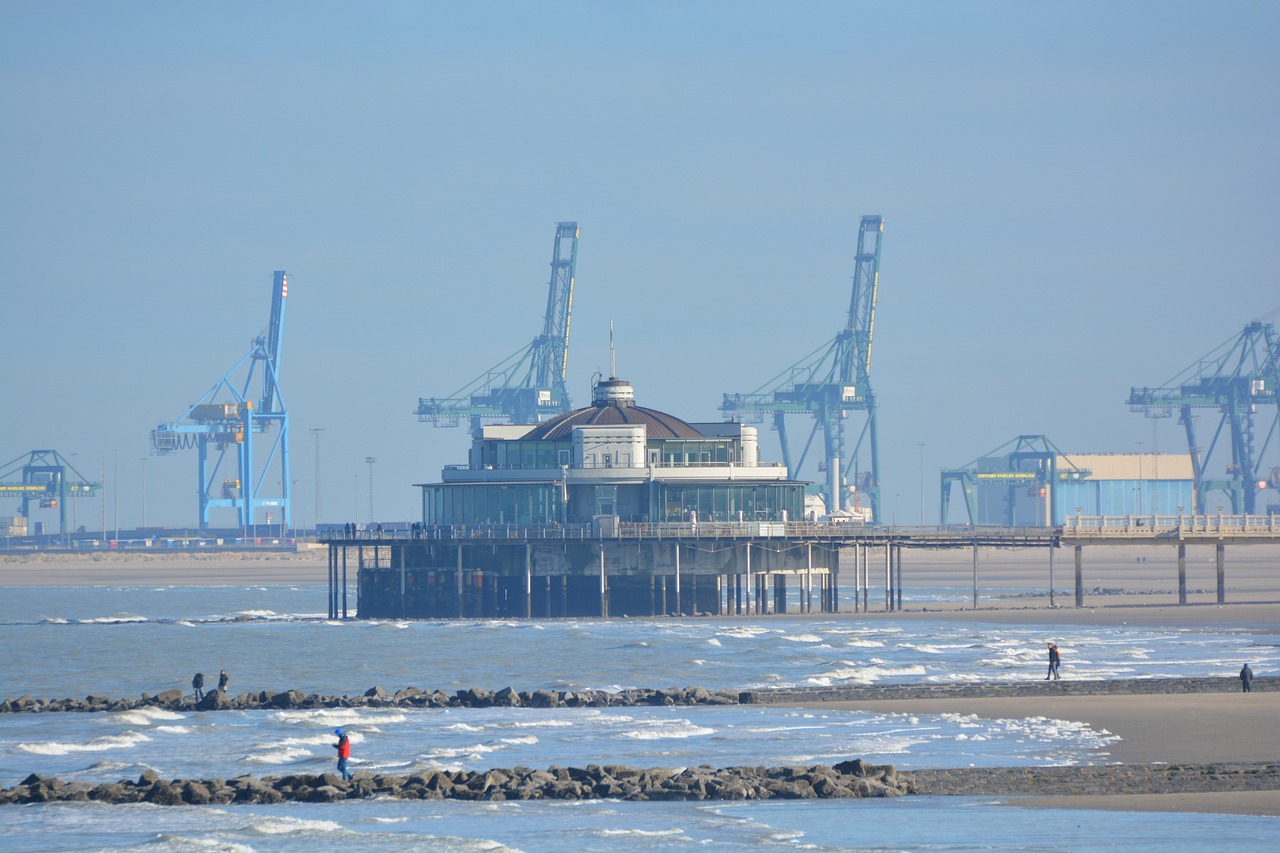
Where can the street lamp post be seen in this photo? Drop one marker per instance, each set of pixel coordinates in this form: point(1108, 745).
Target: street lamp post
point(315, 432)
point(369, 460)
point(921, 444)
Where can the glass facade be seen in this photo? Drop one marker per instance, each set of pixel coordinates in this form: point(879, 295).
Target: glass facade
point(491, 503)
point(728, 501)
point(524, 454)
point(682, 453)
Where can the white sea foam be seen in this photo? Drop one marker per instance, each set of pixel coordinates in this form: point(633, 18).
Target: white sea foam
point(261, 614)
point(143, 716)
point(802, 638)
point(712, 641)
point(284, 755)
point(525, 739)
point(288, 825)
point(123, 740)
point(642, 833)
point(170, 840)
point(672, 729)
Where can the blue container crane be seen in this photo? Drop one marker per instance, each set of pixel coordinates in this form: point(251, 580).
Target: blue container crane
point(227, 417)
point(530, 385)
point(46, 477)
point(830, 382)
point(1240, 380)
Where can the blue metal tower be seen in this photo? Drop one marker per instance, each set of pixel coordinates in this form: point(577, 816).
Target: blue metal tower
point(1238, 377)
point(830, 382)
point(528, 386)
point(227, 416)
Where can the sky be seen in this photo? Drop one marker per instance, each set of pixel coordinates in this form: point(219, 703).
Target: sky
point(1079, 198)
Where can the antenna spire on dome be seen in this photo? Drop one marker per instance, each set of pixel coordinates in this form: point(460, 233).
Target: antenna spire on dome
point(613, 367)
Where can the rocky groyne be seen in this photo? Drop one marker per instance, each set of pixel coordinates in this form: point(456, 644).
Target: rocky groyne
point(507, 697)
point(849, 779)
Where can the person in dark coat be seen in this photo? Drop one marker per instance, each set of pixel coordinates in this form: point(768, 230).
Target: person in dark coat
point(1246, 679)
point(1055, 661)
point(222, 681)
point(197, 684)
point(344, 752)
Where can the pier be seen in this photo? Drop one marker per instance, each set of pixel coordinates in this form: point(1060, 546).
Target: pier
point(715, 569)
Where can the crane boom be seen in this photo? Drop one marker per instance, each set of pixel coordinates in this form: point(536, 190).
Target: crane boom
point(530, 385)
point(831, 381)
point(1238, 377)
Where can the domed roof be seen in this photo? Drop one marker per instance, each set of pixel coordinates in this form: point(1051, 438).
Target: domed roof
point(612, 404)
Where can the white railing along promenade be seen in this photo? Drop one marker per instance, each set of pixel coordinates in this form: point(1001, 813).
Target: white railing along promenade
point(1170, 526)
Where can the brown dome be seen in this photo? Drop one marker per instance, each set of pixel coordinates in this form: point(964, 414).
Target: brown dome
point(613, 405)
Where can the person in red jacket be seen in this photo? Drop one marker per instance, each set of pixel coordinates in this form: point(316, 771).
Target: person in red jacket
point(344, 752)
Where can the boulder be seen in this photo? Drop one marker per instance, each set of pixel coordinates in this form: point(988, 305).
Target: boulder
point(214, 700)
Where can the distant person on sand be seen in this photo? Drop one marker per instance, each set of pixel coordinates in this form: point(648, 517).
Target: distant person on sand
point(197, 684)
point(344, 752)
point(222, 681)
point(1246, 679)
point(1055, 661)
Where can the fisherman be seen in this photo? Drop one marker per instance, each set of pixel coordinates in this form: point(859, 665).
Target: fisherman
point(222, 681)
point(344, 752)
point(197, 684)
point(1246, 679)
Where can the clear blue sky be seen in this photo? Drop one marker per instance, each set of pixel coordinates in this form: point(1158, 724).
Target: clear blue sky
point(1080, 197)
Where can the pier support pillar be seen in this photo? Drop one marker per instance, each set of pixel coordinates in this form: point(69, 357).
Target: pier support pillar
point(1182, 573)
point(1221, 558)
point(344, 583)
point(460, 595)
point(897, 585)
point(604, 588)
point(888, 578)
point(679, 605)
point(975, 576)
point(528, 581)
point(1079, 576)
point(1052, 602)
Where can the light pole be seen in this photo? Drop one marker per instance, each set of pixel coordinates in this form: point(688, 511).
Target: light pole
point(921, 483)
point(315, 432)
point(115, 491)
point(369, 460)
point(143, 460)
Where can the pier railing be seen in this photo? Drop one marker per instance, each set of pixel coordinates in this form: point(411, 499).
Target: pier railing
point(1170, 526)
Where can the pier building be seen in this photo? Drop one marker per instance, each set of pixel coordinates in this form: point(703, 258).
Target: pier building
point(611, 509)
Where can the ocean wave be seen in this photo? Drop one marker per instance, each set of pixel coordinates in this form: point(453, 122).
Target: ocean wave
point(677, 729)
point(123, 740)
point(283, 755)
point(802, 638)
point(642, 833)
point(144, 716)
point(289, 825)
point(524, 739)
point(174, 841)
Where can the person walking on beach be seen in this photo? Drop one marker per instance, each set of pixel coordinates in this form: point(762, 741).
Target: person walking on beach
point(197, 684)
point(222, 681)
point(1055, 661)
point(344, 752)
point(1246, 679)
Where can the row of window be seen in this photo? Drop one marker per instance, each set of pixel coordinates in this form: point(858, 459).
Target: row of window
point(540, 503)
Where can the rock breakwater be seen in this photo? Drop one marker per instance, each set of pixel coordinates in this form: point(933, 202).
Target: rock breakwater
point(507, 697)
point(849, 779)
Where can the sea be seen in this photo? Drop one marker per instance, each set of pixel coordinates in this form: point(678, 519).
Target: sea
point(128, 640)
